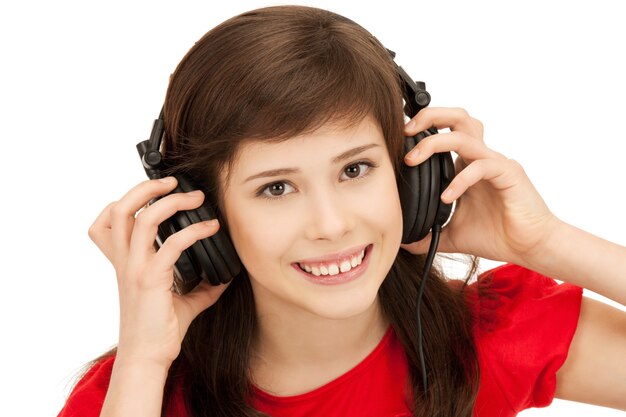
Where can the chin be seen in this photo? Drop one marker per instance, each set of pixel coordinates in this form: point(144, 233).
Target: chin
point(344, 306)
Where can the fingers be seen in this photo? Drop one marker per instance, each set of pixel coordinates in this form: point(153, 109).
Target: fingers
point(122, 213)
point(500, 174)
point(460, 142)
point(112, 230)
point(147, 222)
point(456, 119)
point(100, 232)
point(465, 138)
point(174, 245)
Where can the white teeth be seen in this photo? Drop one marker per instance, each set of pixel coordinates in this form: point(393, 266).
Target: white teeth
point(334, 269)
point(357, 259)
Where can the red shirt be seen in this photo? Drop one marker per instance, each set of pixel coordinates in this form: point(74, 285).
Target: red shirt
point(522, 334)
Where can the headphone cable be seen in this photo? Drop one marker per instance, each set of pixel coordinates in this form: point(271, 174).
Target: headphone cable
point(436, 230)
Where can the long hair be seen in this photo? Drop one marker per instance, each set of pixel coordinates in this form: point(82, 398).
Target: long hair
point(271, 74)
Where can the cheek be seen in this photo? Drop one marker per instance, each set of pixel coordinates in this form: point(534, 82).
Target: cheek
point(259, 237)
point(384, 208)
point(264, 234)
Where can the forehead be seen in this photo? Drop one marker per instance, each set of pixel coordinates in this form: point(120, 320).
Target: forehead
point(317, 147)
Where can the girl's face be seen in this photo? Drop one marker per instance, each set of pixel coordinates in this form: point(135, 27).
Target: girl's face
point(330, 193)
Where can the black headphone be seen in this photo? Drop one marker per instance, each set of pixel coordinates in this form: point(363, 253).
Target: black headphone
point(215, 259)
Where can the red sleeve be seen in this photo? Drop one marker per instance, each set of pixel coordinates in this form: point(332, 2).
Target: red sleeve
point(88, 395)
point(526, 322)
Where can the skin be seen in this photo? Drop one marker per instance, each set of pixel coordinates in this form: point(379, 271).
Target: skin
point(494, 198)
point(321, 210)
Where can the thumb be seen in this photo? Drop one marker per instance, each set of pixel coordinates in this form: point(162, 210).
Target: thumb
point(418, 248)
point(421, 246)
point(203, 296)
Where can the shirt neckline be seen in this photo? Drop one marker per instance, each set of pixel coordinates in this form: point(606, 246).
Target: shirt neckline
point(356, 370)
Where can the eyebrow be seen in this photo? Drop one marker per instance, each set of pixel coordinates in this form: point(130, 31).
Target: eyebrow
point(284, 171)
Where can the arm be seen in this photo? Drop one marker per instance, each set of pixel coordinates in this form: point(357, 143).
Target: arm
point(582, 259)
point(496, 199)
point(595, 370)
point(501, 216)
point(136, 389)
point(153, 319)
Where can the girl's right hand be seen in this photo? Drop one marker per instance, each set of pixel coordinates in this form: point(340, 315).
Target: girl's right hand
point(153, 319)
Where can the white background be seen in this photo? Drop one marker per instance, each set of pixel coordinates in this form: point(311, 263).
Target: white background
point(81, 83)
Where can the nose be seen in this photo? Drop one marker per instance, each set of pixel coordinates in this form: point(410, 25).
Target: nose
point(331, 215)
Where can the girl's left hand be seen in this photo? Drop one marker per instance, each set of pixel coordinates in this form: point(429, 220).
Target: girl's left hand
point(499, 214)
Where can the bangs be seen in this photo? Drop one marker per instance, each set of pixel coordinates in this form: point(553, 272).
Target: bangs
point(273, 75)
point(331, 83)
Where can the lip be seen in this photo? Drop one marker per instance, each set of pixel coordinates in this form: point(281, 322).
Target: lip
point(342, 277)
point(348, 253)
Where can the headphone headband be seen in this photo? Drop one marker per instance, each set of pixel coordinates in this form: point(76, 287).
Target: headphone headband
point(415, 95)
point(214, 259)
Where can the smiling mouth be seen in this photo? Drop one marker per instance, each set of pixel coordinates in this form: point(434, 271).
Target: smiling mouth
point(334, 268)
point(329, 277)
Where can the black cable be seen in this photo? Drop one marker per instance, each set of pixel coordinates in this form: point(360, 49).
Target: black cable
point(436, 230)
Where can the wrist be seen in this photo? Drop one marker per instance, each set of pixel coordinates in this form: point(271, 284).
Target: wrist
point(136, 387)
point(142, 363)
point(545, 255)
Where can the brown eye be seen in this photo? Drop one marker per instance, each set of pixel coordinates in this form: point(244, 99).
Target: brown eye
point(359, 170)
point(277, 188)
point(353, 171)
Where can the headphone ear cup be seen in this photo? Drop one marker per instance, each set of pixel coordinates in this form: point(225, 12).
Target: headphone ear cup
point(432, 201)
point(408, 189)
point(185, 267)
point(444, 211)
point(414, 189)
point(420, 189)
point(213, 258)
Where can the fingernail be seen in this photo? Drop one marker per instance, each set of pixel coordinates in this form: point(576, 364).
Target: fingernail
point(211, 223)
point(413, 154)
point(410, 125)
point(167, 180)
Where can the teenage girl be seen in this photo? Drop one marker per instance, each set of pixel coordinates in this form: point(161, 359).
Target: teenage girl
point(289, 122)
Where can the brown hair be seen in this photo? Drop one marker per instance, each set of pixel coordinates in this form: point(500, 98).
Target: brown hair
point(270, 74)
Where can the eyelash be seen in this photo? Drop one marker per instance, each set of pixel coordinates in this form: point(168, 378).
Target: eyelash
point(261, 192)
